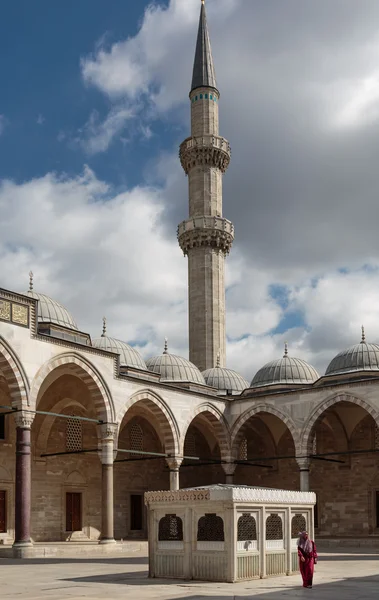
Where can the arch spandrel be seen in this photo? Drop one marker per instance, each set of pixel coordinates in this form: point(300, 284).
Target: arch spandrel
point(237, 430)
point(163, 416)
point(13, 371)
point(218, 423)
point(307, 431)
point(77, 365)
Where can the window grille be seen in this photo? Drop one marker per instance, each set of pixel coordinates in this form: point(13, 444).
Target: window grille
point(210, 528)
point(274, 528)
point(314, 444)
point(170, 529)
point(243, 450)
point(190, 445)
point(376, 437)
point(298, 524)
point(136, 439)
point(74, 435)
point(246, 528)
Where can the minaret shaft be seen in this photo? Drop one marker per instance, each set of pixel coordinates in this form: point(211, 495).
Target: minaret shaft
point(205, 237)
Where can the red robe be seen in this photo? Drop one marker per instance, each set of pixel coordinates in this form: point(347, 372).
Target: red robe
point(307, 567)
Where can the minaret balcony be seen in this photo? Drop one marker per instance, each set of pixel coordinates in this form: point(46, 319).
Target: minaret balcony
point(211, 150)
point(214, 232)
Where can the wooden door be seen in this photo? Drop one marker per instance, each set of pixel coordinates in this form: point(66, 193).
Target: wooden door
point(3, 511)
point(73, 511)
point(136, 512)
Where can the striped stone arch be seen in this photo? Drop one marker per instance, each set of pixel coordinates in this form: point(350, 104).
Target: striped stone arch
point(13, 371)
point(307, 432)
point(218, 423)
point(84, 370)
point(162, 413)
point(237, 430)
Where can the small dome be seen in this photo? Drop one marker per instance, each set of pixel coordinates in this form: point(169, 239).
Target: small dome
point(129, 357)
point(174, 368)
point(361, 357)
point(49, 310)
point(225, 380)
point(285, 371)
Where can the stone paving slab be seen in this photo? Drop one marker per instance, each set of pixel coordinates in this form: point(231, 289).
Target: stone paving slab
point(348, 576)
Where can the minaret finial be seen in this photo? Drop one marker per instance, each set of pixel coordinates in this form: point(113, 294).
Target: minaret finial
point(165, 351)
point(363, 340)
point(285, 350)
point(31, 281)
point(203, 68)
point(218, 360)
point(104, 327)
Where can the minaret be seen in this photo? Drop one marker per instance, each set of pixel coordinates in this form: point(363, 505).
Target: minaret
point(205, 237)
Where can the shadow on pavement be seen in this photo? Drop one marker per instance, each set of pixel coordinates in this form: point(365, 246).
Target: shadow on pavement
point(116, 560)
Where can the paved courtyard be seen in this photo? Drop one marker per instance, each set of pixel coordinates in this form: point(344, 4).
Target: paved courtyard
point(352, 575)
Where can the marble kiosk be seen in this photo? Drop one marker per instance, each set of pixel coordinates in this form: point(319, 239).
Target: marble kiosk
point(226, 532)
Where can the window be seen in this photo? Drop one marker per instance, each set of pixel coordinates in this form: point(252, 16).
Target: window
point(246, 528)
point(190, 445)
point(201, 96)
point(136, 439)
point(206, 96)
point(274, 528)
point(210, 97)
point(2, 427)
point(3, 511)
point(210, 528)
point(243, 450)
point(74, 435)
point(376, 437)
point(170, 529)
point(298, 524)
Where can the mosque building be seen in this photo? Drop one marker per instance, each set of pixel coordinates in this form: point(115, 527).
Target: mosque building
point(87, 425)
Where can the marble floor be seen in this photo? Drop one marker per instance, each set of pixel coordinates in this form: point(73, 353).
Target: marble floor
point(349, 575)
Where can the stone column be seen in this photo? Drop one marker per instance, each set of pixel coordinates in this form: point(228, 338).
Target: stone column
point(108, 434)
point(229, 469)
point(174, 466)
point(304, 473)
point(24, 422)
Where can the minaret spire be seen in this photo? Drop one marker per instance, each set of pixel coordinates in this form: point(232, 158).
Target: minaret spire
point(203, 68)
point(206, 236)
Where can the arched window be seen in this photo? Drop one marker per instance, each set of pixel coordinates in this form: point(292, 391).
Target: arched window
point(243, 450)
point(74, 435)
point(136, 438)
point(210, 528)
point(170, 529)
point(246, 528)
point(298, 524)
point(274, 528)
point(190, 444)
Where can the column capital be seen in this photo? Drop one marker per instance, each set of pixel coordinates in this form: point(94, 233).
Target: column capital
point(24, 419)
point(303, 463)
point(108, 434)
point(108, 431)
point(229, 468)
point(174, 462)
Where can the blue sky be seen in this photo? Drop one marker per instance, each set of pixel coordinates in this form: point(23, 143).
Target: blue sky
point(93, 106)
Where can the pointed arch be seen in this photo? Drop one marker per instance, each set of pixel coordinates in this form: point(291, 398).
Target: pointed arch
point(162, 413)
point(11, 367)
point(80, 367)
point(307, 432)
point(254, 411)
point(218, 422)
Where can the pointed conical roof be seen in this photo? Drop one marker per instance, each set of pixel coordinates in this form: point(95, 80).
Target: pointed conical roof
point(203, 68)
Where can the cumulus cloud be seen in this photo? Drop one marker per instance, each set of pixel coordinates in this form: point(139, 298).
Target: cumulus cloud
point(97, 135)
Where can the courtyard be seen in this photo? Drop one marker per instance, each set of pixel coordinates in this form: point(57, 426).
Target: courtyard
point(346, 575)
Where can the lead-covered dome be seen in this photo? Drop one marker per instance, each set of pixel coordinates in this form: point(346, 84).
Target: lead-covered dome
point(174, 368)
point(285, 371)
point(129, 356)
point(49, 310)
point(225, 380)
point(361, 357)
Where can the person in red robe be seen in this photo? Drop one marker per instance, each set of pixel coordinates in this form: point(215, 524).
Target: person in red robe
point(307, 552)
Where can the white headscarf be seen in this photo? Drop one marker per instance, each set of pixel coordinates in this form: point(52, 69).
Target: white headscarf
point(304, 543)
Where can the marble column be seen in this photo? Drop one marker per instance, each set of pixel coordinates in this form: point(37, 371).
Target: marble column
point(174, 466)
point(108, 433)
point(304, 473)
point(24, 422)
point(229, 469)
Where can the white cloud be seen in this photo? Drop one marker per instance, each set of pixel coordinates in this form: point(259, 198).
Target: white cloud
point(97, 135)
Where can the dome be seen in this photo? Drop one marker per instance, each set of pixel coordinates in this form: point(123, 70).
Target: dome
point(285, 371)
point(129, 357)
point(225, 380)
point(174, 368)
point(361, 357)
point(51, 311)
